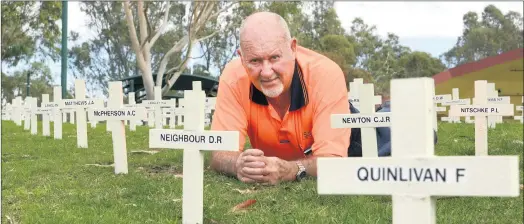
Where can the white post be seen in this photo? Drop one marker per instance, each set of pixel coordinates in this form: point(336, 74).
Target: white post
point(180, 116)
point(57, 124)
point(46, 130)
point(192, 140)
point(436, 100)
point(34, 119)
point(131, 101)
point(492, 121)
point(520, 108)
point(27, 114)
point(17, 111)
point(367, 120)
point(481, 109)
point(72, 114)
point(80, 113)
point(116, 114)
point(413, 175)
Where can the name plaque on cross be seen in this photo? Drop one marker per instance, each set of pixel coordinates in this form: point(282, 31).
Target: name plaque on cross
point(158, 103)
point(440, 176)
point(204, 140)
point(481, 110)
point(50, 105)
point(73, 103)
point(360, 120)
point(500, 99)
point(442, 98)
point(107, 114)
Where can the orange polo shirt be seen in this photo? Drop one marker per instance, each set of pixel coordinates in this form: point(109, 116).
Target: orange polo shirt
point(318, 89)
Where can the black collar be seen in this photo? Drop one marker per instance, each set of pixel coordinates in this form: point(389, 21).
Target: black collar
point(299, 96)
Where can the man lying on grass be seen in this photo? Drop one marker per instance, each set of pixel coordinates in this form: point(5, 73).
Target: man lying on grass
point(282, 96)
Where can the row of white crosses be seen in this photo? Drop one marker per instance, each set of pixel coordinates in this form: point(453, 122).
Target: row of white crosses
point(481, 109)
point(413, 175)
point(193, 139)
point(492, 98)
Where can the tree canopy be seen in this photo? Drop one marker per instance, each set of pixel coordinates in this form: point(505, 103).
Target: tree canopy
point(145, 38)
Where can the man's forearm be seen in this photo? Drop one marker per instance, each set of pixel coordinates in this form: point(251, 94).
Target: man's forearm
point(224, 162)
point(291, 169)
point(309, 163)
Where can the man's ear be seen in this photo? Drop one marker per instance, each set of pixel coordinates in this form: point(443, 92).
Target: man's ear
point(239, 52)
point(293, 45)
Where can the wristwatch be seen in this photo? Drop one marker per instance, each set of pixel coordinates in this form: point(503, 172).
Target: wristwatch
point(301, 171)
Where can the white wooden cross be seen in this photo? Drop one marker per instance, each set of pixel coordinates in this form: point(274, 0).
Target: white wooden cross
point(7, 112)
point(116, 114)
point(353, 96)
point(27, 113)
point(80, 104)
point(480, 109)
point(367, 120)
point(31, 113)
point(193, 139)
point(520, 108)
point(157, 104)
point(45, 112)
point(413, 175)
point(46, 129)
point(56, 112)
point(17, 110)
point(440, 99)
point(455, 101)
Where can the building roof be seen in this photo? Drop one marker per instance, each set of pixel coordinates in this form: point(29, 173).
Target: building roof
point(184, 82)
point(482, 64)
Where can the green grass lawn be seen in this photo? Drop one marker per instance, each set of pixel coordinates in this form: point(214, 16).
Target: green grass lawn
point(47, 181)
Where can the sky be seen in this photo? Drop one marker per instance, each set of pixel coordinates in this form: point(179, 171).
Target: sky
point(431, 27)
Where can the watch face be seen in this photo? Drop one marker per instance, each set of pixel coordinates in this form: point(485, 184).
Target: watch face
point(302, 174)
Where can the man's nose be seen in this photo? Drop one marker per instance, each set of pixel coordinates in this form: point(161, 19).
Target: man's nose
point(267, 69)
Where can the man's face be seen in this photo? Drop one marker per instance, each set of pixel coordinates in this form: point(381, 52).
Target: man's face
point(270, 63)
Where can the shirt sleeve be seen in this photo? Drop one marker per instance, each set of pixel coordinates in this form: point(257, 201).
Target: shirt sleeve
point(229, 114)
point(331, 98)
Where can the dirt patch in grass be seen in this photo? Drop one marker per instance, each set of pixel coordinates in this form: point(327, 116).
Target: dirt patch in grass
point(162, 169)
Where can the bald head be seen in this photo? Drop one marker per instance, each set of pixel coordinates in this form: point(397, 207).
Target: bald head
point(264, 25)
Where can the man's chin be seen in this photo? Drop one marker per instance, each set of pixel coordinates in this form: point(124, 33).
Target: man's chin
point(272, 93)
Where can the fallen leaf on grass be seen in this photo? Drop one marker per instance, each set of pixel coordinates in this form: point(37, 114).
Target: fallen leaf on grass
point(522, 186)
point(212, 221)
point(243, 205)
point(98, 165)
point(245, 191)
point(145, 152)
point(179, 176)
point(10, 220)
